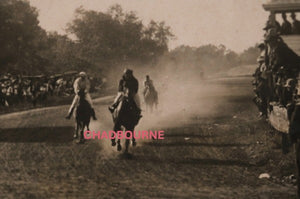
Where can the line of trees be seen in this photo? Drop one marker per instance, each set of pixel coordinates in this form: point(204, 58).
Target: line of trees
point(100, 42)
point(210, 58)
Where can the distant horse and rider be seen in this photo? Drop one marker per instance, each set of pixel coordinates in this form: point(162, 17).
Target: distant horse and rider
point(150, 95)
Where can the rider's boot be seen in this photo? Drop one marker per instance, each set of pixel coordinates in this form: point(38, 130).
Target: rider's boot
point(94, 114)
point(70, 114)
point(112, 107)
point(140, 113)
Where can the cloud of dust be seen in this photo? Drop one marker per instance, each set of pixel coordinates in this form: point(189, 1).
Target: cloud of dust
point(182, 94)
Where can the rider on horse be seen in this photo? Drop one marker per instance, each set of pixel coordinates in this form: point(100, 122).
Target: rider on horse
point(129, 86)
point(148, 83)
point(81, 83)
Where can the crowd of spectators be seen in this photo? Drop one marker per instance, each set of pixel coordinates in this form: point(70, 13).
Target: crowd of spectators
point(15, 89)
point(276, 76)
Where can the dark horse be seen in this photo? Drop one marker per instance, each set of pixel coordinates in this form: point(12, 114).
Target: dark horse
point(126, 115)
point(150, 97)
point(83, 114)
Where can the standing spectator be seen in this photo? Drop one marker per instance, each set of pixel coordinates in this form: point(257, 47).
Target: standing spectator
point(3, 101)
point(50, 86)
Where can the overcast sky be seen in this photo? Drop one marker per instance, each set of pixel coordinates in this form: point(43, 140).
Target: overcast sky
point(235, 23)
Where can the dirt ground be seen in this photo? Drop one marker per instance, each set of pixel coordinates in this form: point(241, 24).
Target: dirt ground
point(215, 147)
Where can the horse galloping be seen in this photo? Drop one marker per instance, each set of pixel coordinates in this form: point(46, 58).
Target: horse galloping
point(126, 115)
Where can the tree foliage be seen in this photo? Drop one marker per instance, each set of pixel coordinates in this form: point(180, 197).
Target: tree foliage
point(117, 36)
point(21, 38)
point(211, 58)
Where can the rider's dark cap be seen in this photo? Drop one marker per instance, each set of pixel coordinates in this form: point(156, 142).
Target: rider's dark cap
point(128, 71)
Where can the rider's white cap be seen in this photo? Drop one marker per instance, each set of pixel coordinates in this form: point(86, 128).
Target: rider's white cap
point(82, 74)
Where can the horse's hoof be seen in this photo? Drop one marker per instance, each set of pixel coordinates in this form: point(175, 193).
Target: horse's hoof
point(119, 147)
point(81, 141)
point(113, 143)
point(75, 136)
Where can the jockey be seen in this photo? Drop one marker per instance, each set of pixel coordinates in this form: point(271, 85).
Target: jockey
point(82, 82)
point(128, 85)
point(148, 83)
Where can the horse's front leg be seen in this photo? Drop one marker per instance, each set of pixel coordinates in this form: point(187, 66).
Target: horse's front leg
point(76, 130)
point(119, 147)
point(80, 127)
point(127, 142)
point(117, 127)
point(133, 139)
point(81, 140)
point(88, 126)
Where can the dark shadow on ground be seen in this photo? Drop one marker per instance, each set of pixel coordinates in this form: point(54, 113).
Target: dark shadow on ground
point(38, 134)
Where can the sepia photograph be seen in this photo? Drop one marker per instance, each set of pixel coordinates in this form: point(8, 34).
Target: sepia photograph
point(149, 99)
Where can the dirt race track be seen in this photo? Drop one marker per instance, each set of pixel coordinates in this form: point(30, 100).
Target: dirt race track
point(214, 147)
